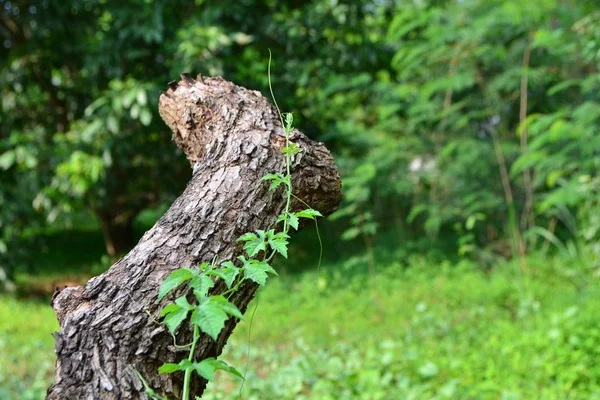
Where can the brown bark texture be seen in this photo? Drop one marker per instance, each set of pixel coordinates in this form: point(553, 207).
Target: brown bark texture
point(108, 327)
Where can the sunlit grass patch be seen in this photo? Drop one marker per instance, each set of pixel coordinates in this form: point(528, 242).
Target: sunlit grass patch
point(26, 348)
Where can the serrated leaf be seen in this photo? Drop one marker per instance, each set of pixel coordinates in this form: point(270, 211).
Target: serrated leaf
point(222, 365)
point(254, 243)
point(308, 213)
point(183, 303)
point(169, 368)
point(292, 149)
point(274, 185)
point(270, 177)
point(201, 285)
point(293, 220)
point(257, 271)
point(210, 318)
point(204, 266)
point(228, 274)
point(227, 306)
point(278, 242)
point(247, 236)
point(277, 179)
point(279, 246)
point(174, 318)
point(169, 309)
point(257, 275)
point(175, 279)
point(278, 235)
point(207, 368)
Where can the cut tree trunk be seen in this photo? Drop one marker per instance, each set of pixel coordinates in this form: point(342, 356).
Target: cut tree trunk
point(108, 328)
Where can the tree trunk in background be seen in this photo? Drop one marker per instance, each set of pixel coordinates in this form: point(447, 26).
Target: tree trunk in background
point(106, 327)
point(118, 235)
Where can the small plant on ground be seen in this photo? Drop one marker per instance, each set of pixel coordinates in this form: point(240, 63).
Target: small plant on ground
point(208, 313)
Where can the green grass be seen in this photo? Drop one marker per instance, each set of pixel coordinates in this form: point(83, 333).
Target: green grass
point(427, 331)
point(26, 348)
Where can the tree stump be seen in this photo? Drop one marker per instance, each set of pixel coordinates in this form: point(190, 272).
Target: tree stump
point(108, 327)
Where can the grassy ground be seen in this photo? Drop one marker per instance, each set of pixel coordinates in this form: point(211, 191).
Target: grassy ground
point(26, 348)
point(419, 332)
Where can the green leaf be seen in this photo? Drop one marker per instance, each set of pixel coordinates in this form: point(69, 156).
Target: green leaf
point(175, 279)
point(186, 364)
point(350, 233)
point(271, 177)
point(169, 309)
point(257, 271)
point(175, 317)
point(308, 213)
point(169, 368)
point(222, 365)
point(98, 103)
point(293, 220)
point(227, 306)
point(247, 236)
point(183, 303)
point(7, 159)
point(289, 120)
point(562, 86)
point(210, 318)
point(254, 243)
point(207, 368)
point(141, 97)
point(205, 267)
point(277, 179)
point(134, 111)
point(278, 242)
point(228, 274)
point(201, 285)
point(145, 117)
point(291, 149)
point(112, 123)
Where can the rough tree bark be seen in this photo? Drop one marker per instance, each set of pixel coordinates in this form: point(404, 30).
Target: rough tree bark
point(106, 327)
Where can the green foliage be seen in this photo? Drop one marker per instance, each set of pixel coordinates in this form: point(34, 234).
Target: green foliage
point(417, 333)
point(408, 96)
point(421, 104)
point(26, 348)
point(414, 331)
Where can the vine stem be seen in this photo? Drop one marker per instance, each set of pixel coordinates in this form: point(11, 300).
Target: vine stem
point(188, 372)
point(287, 145)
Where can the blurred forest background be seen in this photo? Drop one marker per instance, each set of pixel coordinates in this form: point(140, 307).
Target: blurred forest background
point(464, 262)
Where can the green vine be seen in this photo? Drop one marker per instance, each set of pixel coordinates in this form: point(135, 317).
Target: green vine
point(208, 313)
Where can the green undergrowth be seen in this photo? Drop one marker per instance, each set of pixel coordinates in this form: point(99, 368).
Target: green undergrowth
point(26, 348)
point(413, 331)
point(424, 332)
